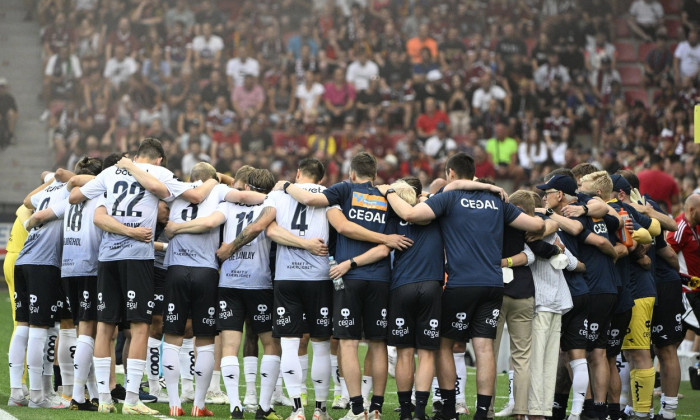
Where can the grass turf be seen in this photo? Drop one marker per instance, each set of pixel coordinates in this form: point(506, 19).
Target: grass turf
point(689, 407)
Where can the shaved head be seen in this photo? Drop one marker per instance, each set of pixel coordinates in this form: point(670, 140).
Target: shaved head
point(692, 209)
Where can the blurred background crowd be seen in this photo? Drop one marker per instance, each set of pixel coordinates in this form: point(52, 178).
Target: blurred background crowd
point(523, 85)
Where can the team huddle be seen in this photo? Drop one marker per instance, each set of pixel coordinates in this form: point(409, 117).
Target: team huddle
point(582, 276)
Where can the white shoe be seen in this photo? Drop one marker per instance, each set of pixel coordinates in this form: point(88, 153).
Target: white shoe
point(340, 403)
point(375, 415)
point(297, 415)
point(461, 408)
point(506, 412)
point(321, 415)
point(17, 403)
point(161, 395)
point(216, 398)
point(366, 404)
point(46, 403)
point(250, 402)
point(393, 355)
point(25, 391)
point(351, 416)
point(281, 399)
point(187, 396)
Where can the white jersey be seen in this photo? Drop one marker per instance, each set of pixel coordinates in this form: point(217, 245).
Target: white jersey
point(81, 238)
point(43, 244)
point(249, 268)
point(195, 249)
point(305, 222)
point(131, 205)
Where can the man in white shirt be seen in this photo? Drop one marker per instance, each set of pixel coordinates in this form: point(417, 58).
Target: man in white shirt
point(207, 50)
point(686, 59)
point(645, 18)
point(439, 145)
point(486, 92)
point(238, 67)
point(119, 68)
point(361, 71)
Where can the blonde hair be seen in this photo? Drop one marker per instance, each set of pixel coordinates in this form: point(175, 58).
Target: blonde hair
point(202, 171)
point(599, 181)
point(536, 198)
point(524, 200)
point(405, 191)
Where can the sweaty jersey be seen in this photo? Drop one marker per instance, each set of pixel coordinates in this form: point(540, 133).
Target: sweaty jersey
point(43, 244)
point(472, 227)
point(195, 249)
point(362, 204)
point(305, 222)
point(249, 268)
point(425, 260)
point(81, 238)
point(131, 205)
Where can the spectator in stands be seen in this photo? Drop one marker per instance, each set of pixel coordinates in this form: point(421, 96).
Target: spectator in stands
point(452, 50)
point(217, 116)
point(156, 70)
point(483, 166)
point(178, 47)
point(248, 99)
point(458, 107)
point(509, 46)
point(646, 16)
point(532, 152)
point(180, 13)
point(194, 156)
point(368, 102)
point(423, 40)
point(581, 107)
point(659, 61)
point(489, 90)
point(215, 88)
point(120, 68)
point(257, 139)
point(207, 49)
point(427, 122)
point(690, 15)
point(440, 144)
point(303, 38)
point(124, 37)
point(88, 40)
point(338, 98)
point(601, 79)
point(227, 136)
point(57, 35)
point(280, 100)
point(427, 64)
point(660, 186)
point(686, 62)
point(308, 96)
point(546, 72)
point(597, 51)
point(321, 143)
point(208, 14)
point(8, 115)
point(572, 58)
point(194, 132)
point(188, 117)
point(237, 68)
point(362, 70)
point(503, 153)
point(62, 76)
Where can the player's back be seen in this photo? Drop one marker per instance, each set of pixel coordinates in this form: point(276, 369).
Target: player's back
point(43, 244)
point(81, 238)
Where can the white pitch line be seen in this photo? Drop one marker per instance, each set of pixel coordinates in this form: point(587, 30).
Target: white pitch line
point(4, 415)
point(158, 416)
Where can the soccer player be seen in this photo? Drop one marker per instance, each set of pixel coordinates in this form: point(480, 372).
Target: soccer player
point(472, 228)
point(125, 268)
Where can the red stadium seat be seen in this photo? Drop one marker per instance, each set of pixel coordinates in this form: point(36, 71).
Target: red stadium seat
point(621, 28)
point(671, 7)
point(644, 49)
point(626, 52)
point(673, 27)
point(637, 95)
point(631, 75)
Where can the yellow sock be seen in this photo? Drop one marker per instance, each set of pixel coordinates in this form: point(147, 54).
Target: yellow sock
point(642, 389)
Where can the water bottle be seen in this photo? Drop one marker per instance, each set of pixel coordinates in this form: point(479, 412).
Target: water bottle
point(623, 234)
point(338, 283)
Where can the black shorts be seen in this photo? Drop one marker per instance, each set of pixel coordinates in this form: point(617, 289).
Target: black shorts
point(469, 312)
point(303, 307)
point(574, 325)
point(666, 322)
point(237, 305)
point(414, 315)
point(619, 327)
point(40, 296)
point(361, 308)
point(125, 291)
point(191, 293)
point(600, 314)
point(158, 290)
point(81, 294)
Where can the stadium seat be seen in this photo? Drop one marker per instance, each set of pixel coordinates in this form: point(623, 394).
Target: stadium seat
point(671, 7)
point(644, 49)
point(626, 51)
point(637, 95)
point(673, 27)
point(631, 75)
point(621, 28)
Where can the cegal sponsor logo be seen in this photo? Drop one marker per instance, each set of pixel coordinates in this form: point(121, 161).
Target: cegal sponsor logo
point(324, 320)
point(171, 316)
point(264, 315)
point(131, 295)
point(346, 321)
point(382, 322)
point(399, 331)
point(433, 332)
point(224, 313)
point(281, 319)
point(210, 321)
point(460, 324)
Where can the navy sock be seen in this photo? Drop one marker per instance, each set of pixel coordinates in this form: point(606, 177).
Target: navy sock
point(421, 403)
point(356, 404)
point(376, 403)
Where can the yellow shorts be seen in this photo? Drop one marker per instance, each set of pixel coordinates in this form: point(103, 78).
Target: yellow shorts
point(639, 331)
point(9, 271)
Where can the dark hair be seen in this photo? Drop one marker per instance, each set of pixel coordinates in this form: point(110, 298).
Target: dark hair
point(560, 171)
point(261, 180)
point(415, 183)
point(151, 148)
point(112, 159)
point(243, 173)
point(583, 169)
point(88, 166)
point(462, 164)
point(364, 165)
point(312, 168)
point(630, 176)
point(655, 159)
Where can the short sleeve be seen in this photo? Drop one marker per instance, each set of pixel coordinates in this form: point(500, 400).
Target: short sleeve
point(335, 207)
point(220, 192)
point(59, 208)
point(95, 187)
point(223, 208)
point(440, 203)
point(337, 194)
point(175, 187)
point(272, 199)
point(510, 212)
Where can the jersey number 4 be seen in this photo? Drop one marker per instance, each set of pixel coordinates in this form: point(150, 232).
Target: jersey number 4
point(299, 219)
point(135, 192)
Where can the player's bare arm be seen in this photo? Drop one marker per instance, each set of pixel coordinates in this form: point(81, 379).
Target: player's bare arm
point(469, 185)
point(39, 218)
point(28, 199)
point(249, 233)
point(302, 196)
point(282, 236)
point(354, 231)
point(371, 256)
point(147, 181)
point(109, 224)
point(200, 193)
point(198, 225)
point(251, 198)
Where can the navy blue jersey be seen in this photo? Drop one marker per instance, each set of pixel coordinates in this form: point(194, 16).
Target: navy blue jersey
point(362, 204)
point(472, 227)
point(576, 281)
point(663, 271)
point(601, 275)
point(425, 260)
point(642, 280)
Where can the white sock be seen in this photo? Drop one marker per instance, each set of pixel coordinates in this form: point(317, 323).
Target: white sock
point(171, 372)
point(625, 379)
point(321, 369)
point(461, 382)
point(17, 354)
point(49, 358)
point(511, 399)
point(366, 387)
point(269, 372)
point(279, 391)
point(250, 370)
point(153, 356)
point(134, 374)
point(579, 384)
point(36, 344)
point(215, 384)
point(686, 346)
point(84, 349)
point(344, 389)
point(336, 375)
point(231, 371)
point(304, 360)
point(187, 365)
point(66, 351)
point(290, 366)
point(669, 405)
point(92, 383)
point(436, 390)
point(203, 368)
point(102, 365)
